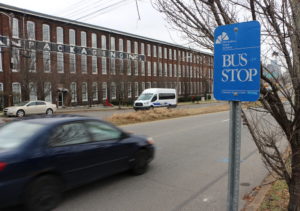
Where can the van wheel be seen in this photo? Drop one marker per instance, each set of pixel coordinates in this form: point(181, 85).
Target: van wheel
point(151, 107)
point(44, 193)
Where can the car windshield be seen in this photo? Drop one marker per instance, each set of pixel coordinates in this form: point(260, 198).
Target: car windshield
point(14, 134)
point(22, 103)
point(146, 96)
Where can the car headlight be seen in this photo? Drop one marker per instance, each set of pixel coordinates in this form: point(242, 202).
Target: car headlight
point(150, 140)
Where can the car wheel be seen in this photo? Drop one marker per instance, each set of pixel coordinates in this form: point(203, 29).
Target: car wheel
point(44, 193)
point(20, 113)
point(49, 111)
point(141, 162)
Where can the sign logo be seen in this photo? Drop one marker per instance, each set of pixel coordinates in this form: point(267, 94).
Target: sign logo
point(222, 37)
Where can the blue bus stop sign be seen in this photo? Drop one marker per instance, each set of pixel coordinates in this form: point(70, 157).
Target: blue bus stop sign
point(237, 62)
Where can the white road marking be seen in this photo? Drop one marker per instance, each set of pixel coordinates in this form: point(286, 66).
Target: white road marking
point(225, 120)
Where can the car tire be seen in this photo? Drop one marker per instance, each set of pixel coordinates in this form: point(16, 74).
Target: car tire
point(140, 165)
point(20, 113)
point(43, 194)
point(49, 111)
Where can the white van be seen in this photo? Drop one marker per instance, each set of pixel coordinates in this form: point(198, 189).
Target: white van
point(156, 97)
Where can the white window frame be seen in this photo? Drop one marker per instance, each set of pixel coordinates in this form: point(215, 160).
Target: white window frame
point(148, 50)
point(15, 59)
point(32, 61)
point(142, 48)
point(154, 68)
point(104, 90)
point(32, 91)
point(17, 92)
point(84, 92)
point(30, 27)
point(129, 90)
point(47, 61)
point(60, 62)
point(103, 42)
point(136, 67)
point(94, 40)
point(72, 37)
point(84, 64)
point(1, 95)
point(170, 70)
point(95, 91)
point(1, 65)
point(165, 53)
point(159, 52)
point(72, 61)
point(47, 92)
point(148, 68)
point(83, 40)
point(121, 45)
point(148, 85)
point(15, 28)
point(154, 51)
point(136, 47)
point(128, 67)
point(59, 35)
point(142, 68)
point(165, 74)
point(128, 46)
point(113, 90)
point(112, 43)
point(104, 65)
point(112, 66)
point(73, 88)
point(94, 65)
point(46, 32)
point(136, 89)
point(143, 86)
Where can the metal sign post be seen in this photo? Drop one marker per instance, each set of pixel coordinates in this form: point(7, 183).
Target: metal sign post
point(236, 79)
point(234, 156)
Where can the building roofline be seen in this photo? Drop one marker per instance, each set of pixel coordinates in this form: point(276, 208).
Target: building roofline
point(55, 18)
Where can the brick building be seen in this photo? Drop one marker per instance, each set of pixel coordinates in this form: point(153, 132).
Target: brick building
point(73, 63)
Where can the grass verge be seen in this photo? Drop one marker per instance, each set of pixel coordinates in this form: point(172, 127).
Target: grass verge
point(277, 198)
point(162, 113)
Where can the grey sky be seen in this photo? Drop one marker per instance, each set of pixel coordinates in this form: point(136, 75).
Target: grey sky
point(116, 14)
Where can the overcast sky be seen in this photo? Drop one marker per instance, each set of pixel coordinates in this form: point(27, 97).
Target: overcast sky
point(115, 14)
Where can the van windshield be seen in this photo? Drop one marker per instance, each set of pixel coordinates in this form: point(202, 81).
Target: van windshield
point(145, 96)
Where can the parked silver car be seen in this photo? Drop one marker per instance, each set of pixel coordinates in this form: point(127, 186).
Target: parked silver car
point(30, 107)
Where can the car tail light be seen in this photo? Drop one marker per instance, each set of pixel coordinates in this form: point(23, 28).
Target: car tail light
point(2, 165)
point(150, 140)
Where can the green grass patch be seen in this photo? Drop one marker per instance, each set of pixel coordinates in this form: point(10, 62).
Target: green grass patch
point(277, 198)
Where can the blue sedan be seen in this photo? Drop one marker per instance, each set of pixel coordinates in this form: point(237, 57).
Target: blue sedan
point(40, 158)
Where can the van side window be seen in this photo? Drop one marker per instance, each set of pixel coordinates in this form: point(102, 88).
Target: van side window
point(166, 96)
point(154, 98)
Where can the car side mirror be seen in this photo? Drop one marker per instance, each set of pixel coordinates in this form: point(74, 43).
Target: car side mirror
point(124, 135)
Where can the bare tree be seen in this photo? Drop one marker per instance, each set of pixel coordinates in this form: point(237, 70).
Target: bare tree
point(280, 21)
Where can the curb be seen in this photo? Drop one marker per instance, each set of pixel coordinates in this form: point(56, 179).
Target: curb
point(258, 193)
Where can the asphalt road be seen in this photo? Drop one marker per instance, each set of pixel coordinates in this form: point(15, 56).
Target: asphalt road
point(189, 171)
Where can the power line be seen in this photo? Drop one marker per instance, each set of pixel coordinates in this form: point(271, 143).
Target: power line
point(73, 6)
point(84, 8)
point(102, 9)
